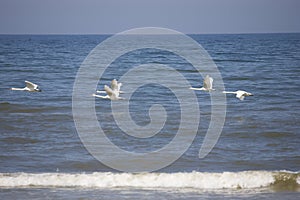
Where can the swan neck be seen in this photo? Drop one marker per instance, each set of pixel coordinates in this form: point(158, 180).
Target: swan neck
point(229, 92)
point(17, 89)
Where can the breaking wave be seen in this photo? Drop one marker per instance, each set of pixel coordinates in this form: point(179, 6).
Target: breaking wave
point(196, 180)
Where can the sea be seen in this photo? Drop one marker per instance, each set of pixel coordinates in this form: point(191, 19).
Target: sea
point(255, 156)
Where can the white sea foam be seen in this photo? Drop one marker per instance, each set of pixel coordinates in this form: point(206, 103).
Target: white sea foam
point(198, 180)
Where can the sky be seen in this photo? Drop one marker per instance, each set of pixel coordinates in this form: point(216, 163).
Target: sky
point(113, 16)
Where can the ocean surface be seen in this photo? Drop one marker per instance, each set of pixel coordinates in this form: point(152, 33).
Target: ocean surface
point(257, 155)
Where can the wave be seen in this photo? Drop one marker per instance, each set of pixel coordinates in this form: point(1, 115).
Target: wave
point(19, 140)
point(181, 180)
point(236, 60)
point(19, 108)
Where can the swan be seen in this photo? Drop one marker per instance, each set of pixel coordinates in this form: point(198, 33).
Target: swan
point(240, 94)
point(111, 94)
point(30, 87)
point(207, 84)
point(115, 86)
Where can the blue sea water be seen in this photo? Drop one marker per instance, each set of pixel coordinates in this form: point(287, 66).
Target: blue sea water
point(257, 155)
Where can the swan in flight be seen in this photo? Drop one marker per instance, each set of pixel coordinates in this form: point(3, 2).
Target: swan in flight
point(115, 86)
point(240, 94)
point(111, 94)
point(30, 87)
point(207, 84)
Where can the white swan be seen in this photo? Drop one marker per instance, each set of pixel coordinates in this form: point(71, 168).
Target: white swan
point(207, 84)
point(30, 87)
point(115, 86)
point(240, 94)
point(111, 94)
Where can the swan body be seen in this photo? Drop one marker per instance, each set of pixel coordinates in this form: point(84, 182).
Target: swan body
point(207, 84)
point(30, 87)
point(115, 86)
point(111, 94)
point(240, 94)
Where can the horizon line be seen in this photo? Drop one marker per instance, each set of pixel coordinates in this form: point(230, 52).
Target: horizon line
point(212, 33)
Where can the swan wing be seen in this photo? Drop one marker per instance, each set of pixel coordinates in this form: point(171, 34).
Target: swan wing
point(119, 86)
point(108, 90)
point(211, 80)
point(240, 95)
point(114, 84)
point(242, 98)
point(31, 85)
point(207, 83)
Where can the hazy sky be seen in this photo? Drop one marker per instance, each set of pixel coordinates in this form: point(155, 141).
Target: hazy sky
point(112, 16)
